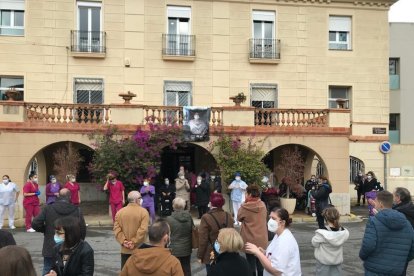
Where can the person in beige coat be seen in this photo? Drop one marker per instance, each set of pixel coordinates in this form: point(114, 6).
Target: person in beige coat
point(253, 217)
point(131, 226)
point(182, 189)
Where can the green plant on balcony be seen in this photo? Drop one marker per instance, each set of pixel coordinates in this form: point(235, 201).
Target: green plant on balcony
point(233, 155)
point(239, 98)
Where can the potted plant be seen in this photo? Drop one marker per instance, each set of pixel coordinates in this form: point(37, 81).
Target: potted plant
point(292, 166)
point(127, 97)
point(238, 99)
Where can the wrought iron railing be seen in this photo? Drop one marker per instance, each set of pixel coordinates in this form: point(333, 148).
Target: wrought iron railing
point(88, 41)
point(178, 45)
point(265, 48)
point(274, 117)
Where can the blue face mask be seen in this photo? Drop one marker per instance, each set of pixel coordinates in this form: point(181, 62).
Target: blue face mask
point(217, 247)
point(58, 239)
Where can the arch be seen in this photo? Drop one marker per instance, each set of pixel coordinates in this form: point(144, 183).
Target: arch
point(355, 165)
point(314, 164)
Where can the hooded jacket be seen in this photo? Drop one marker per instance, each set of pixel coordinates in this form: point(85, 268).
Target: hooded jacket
point(328, 245)
point(253, 215)
point(45, 222)
point(152, 260)
point(407, 209)
point(388, 243)
point(181, 225)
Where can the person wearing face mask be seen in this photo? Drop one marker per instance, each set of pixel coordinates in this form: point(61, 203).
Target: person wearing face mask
point(9, 194)
point(52, 190)
point(238, 189)
point(154, 258)
point(215, 182)
point(148, 196)
point(202, 195)
point(45, 223)
point(72, 255)
point(359, 187)
point(116, 193)
point(269, 195)
point(229, 262)
point(131, 226)
point(74, 189)
point(166, 197)
point(282, 255)
point(182, 189)
point(31, 200)
point(371, 187)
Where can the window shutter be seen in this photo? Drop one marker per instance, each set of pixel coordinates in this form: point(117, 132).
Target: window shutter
point(179, 12)
point(12, 5)
point(264, 93)
point(340, 23)
point(264, 16)
point(89, 91)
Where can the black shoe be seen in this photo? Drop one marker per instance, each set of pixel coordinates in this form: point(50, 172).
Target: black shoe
point(358, 205)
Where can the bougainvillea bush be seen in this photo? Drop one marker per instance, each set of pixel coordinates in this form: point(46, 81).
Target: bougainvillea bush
point(132, 158)
point(233, 155)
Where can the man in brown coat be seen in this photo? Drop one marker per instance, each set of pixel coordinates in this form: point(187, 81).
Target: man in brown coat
point(210, 224)
point(131, 226)
point(154, 258)
point(253, 216)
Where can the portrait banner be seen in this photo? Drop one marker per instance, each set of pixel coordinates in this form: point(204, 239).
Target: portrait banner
point(196, 121)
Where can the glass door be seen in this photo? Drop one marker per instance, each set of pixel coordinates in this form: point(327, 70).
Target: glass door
point(89, 29)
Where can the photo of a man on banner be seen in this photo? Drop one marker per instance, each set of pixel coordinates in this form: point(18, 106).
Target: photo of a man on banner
point(196, 123)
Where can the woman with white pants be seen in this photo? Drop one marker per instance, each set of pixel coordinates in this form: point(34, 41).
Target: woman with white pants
point(9, 193)
point(238, 188)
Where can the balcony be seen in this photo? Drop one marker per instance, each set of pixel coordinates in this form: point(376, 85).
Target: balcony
point(264, 50)
point(88, 44)
point(178, 47)
point(24, 116)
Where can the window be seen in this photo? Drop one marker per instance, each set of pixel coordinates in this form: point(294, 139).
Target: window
point(263, 95)
point(339, 32)
point(176, 93)
point(264, 44)
point(89, 34)
point(11, 82)
point(394, 128)
point(179, 41)
point(89, 91)
point(355, 165)
point(339, 97)
point(394, 67)
point(12, 17)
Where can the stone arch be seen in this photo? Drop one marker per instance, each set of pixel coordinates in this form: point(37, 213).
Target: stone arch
point(313, 161)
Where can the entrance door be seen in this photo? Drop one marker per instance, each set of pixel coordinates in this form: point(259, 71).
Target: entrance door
point(173, 159)
point(89, 26)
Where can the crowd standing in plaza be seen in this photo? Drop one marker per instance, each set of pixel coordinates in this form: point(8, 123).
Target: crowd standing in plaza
point(261, 243)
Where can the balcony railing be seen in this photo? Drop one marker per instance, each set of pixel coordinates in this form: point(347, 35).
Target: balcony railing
point(173, 115)
point(178, 45)
point(88, 42)
point(264, 48)
point(67, 113)
point(272, 117)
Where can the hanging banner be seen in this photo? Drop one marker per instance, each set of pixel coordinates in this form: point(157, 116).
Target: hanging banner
point(196, 123)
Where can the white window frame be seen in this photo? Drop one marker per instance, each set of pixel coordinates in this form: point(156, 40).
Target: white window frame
point(340, 24)
point(180, 45)
point(80, 79)
point(348, 94)
point(254, 86)
point(91, 5)
point(12, 8)
point(189, 93)
point(264, 16)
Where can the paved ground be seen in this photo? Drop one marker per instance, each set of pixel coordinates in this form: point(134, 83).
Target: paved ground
point(107, 257)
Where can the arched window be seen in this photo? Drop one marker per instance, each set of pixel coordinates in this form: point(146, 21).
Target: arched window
point(355, 165)
point(320, 170)
point(33, 167)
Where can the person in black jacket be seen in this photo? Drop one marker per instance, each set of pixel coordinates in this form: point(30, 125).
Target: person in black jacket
point(6, 238)
point(229, 262)
point(167, 195)
point(359, 187)
point(403, 203)
point(321, 196)
point(202, 190)
point(73, 256)
point(45, 223)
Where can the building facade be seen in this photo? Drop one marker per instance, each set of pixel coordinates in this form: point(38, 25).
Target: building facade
point(314, 73)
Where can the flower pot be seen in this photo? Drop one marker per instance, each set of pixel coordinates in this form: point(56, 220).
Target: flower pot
point(289, 204)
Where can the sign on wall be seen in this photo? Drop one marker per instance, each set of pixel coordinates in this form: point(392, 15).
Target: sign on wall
point(196, 123)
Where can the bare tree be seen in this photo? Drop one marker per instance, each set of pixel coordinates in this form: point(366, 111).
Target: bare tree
point(66, 160)
point(292, 165)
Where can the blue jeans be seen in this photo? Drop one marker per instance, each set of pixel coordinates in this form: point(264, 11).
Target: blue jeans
point(47, 265)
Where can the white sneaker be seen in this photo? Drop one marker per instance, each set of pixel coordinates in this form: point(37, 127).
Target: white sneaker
point(12, 227)
point(31, 230)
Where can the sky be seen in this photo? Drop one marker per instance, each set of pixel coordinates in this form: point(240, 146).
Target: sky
point(402, 11)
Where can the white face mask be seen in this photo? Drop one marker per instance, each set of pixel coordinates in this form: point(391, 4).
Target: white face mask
point(196, 117)
point(238, 178)
point(72, 180)
point(369, 177)
point(146, 183)
point(35, 180)
point(213, 177)
point(5, 181)
point(272, 225)
point(198, 181)
point(53, 180)
point(167, 182)
point(140, 201)
point(182, 177)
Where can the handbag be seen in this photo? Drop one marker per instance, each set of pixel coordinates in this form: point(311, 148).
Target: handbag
point(194, 236)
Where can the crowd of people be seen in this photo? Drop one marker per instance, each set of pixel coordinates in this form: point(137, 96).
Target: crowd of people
point(252, 240)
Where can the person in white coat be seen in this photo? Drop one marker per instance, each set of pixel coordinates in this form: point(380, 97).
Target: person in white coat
point(328, 244)
point(238, 189)
point(9, 194)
